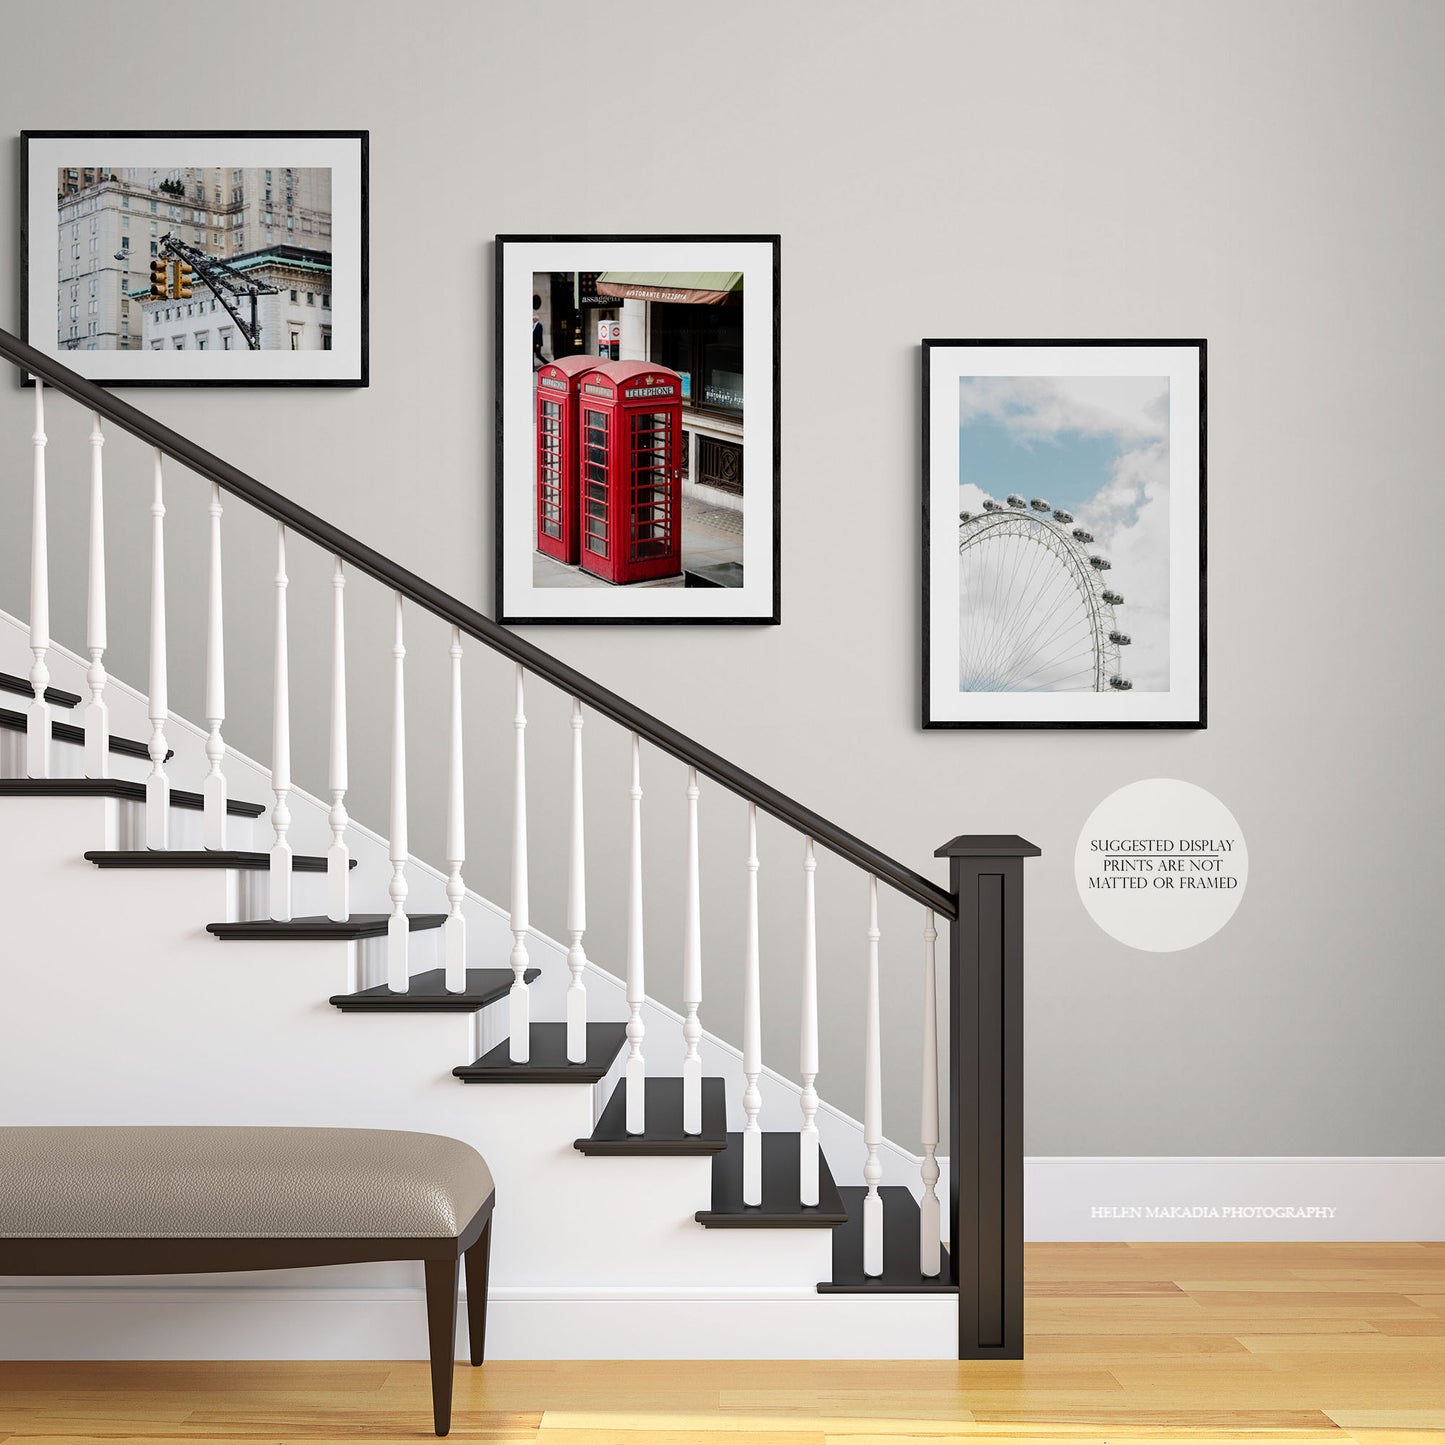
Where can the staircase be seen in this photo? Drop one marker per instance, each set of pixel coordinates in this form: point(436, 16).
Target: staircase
point(177, 956)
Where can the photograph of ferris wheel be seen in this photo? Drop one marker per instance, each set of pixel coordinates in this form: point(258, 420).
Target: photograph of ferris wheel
point(1064, 496)
point(1063, 489)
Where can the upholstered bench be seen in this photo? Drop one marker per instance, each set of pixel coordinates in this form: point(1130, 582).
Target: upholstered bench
point(183, 1200)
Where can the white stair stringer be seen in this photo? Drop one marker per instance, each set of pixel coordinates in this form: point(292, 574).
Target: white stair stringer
point(488, 925)
point(122, 1009)
point(184, 1028)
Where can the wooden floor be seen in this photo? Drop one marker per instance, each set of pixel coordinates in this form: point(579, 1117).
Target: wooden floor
point(1292, 1343)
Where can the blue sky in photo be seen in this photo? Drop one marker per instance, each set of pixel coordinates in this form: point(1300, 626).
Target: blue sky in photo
point(1066, 468)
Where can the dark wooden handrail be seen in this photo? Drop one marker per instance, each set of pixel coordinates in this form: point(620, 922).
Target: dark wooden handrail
point(500, 639)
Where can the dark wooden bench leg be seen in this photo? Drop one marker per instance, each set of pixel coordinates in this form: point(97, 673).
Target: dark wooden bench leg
point(441, 1317)
point(479, 1258)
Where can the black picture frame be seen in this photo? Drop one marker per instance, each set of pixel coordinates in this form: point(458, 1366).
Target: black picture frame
point(1196, 706)
point(767, 612)
point(353, 367)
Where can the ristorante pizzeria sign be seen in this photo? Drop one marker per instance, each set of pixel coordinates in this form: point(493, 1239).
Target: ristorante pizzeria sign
point(653, 293)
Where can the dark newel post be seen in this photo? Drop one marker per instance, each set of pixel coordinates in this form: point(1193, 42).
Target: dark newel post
point(986, 1075)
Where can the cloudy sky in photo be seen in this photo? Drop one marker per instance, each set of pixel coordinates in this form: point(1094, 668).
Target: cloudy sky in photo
point(1096, 446)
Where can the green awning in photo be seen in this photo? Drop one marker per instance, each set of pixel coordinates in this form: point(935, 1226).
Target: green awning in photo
point(687, 288)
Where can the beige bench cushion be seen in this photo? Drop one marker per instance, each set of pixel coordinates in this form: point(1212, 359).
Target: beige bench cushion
point(161, 1182)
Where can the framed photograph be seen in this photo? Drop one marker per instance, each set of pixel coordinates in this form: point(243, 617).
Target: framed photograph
point(638, 440)
point(197, 258)
point(1063, 534)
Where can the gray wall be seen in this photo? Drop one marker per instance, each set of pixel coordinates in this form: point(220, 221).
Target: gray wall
point(1265, 175)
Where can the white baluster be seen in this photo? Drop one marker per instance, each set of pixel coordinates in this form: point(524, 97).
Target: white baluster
point(281, 747)
point(692, 971)
point(338, 855)
point(520, 1020)
point(455, 928)
point(752, 1029)
point(930, 1253)
point(577, 904)
point(213, 788)
point(808, 1051)
point(398, 928)
point(636, 991)
point(872, 1101)
point(37, 720)
point(158, 785)
point(97, 715)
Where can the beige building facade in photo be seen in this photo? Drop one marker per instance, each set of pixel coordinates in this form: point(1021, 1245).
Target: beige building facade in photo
point(110, 223)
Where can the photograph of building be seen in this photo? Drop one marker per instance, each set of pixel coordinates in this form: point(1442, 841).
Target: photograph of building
point(112, 222)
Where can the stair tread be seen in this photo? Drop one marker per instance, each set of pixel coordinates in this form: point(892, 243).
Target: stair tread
point(199, 858)
point(56, 695)
point(359, 925)
point(900, 1249)
point(116, 788)
point(782, 1206)
point(73, 733)
point(548, 1063)
point(663, 1117)
point(428, 993)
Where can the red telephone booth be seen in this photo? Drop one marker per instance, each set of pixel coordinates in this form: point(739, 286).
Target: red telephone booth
point(557, 509)
point(629, 439)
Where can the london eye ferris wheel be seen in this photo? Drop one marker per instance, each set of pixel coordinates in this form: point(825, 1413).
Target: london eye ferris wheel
point(1035, 613)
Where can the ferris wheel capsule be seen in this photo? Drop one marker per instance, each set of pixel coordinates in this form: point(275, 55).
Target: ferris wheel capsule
point(1120, 639)
point(1114, 599)
point(965, 516)
point(1080, 535)
point(1063, 517)
point(1017, 502)
point(1120, 684)
point(989, 505)
point(1039, 505)
point(1100, 564)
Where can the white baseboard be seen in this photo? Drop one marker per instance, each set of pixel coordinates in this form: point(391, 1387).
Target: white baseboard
point(1234, 1198)
point(1084, 1199)
point(167, 1322)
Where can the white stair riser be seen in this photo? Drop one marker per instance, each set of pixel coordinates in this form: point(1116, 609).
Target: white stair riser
point(187, 828)
point(250, 893)
point(67, 759)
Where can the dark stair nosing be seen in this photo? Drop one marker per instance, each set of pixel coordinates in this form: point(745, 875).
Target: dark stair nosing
point(900, 1249)
point(782, 1206)
point(65, 732)
point(663, 1118)
point(56, 695)
point(116, 788)
point(359, 925)
point(428, 994)
point(199, 858)
point(548, 1062)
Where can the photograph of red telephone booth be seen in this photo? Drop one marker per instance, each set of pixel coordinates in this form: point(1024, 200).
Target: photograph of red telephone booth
point(638, 446)
point(630, 424)
point(557, 494)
